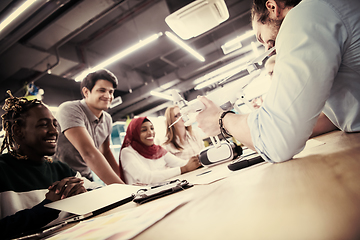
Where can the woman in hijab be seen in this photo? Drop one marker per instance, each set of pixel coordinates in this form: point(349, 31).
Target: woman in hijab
point(144, 162)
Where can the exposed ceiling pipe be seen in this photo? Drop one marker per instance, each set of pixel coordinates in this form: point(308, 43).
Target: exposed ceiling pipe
point(42, 15)
point(169, 62)
point(65, 40)
point(62, 42)
point(81, 46)
point(205, 66)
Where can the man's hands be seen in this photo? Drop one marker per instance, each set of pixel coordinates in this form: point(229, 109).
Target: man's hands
point(191, 165)
point(208, 119)
point(65, 188)
point(235, 124)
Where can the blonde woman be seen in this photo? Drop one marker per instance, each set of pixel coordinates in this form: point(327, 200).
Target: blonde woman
point(181, 141)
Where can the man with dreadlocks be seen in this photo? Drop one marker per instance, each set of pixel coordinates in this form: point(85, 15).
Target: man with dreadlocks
point(28, 178)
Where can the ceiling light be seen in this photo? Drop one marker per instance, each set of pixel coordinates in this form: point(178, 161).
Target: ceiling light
point(235, 44)
point(16, 13)
point(117, 101)
point(218, 78)
point(231, 46)
point(118, 56)
point(169, 84)
point(161, 95)
point(184, 46)
point(220, 72)
point(207, 83)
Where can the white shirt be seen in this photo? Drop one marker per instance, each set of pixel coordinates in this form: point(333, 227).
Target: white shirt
point(192, 146)
point(317, 69)
point(138, 169)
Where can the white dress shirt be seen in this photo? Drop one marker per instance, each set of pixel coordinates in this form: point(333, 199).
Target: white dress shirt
point(317, 69)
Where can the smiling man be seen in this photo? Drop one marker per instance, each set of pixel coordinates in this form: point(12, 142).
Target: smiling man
point(316, 79)
point(84, 142)
point(29, 179)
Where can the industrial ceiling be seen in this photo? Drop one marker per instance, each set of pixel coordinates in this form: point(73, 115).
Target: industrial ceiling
point(56, 40)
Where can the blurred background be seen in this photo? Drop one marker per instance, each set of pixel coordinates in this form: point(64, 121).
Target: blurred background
point(152, 46)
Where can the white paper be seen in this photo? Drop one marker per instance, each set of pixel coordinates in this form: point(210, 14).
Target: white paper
point(124, 224)
point(90, 201)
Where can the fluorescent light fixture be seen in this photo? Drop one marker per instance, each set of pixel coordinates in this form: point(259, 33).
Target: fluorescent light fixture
point(218, 78)
point(169, 84)
point(118, 56)
point(231, 46)
point(161, 95)
point(184, 46)
point(207, 83)
point(246, 35)
point(16, 13)
point(223, 71)
point(235, 44)
point(117, 101)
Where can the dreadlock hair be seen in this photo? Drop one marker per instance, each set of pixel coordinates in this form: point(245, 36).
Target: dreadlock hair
point(259, 8)
point(15, 113)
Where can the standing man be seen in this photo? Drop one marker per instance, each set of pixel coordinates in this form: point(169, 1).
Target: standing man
point(84, 141)
point(316, 79)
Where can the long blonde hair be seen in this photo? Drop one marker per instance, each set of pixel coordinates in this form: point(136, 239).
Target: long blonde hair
point(171, 132)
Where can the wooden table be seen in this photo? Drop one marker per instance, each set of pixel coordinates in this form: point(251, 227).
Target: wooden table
point(314, 196)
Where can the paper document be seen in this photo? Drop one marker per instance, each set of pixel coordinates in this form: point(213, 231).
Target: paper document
point(91, 201)
point(122, 225)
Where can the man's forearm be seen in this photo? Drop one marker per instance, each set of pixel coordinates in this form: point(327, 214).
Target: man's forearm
point(100, 166)
point(112, 161)
point(236, 125)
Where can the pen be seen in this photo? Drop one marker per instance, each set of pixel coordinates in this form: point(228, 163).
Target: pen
point(245, 163)
point(175, 122)
point(56, 227)
point(31, 236)
point(203, 173)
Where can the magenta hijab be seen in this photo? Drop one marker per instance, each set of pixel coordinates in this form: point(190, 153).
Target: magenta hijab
point(132, 138)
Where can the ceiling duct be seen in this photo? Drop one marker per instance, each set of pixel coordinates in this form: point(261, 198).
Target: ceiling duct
point(197, 17)
point(69, 22)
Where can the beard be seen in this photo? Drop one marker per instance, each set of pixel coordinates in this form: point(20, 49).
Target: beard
point(275, 24)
